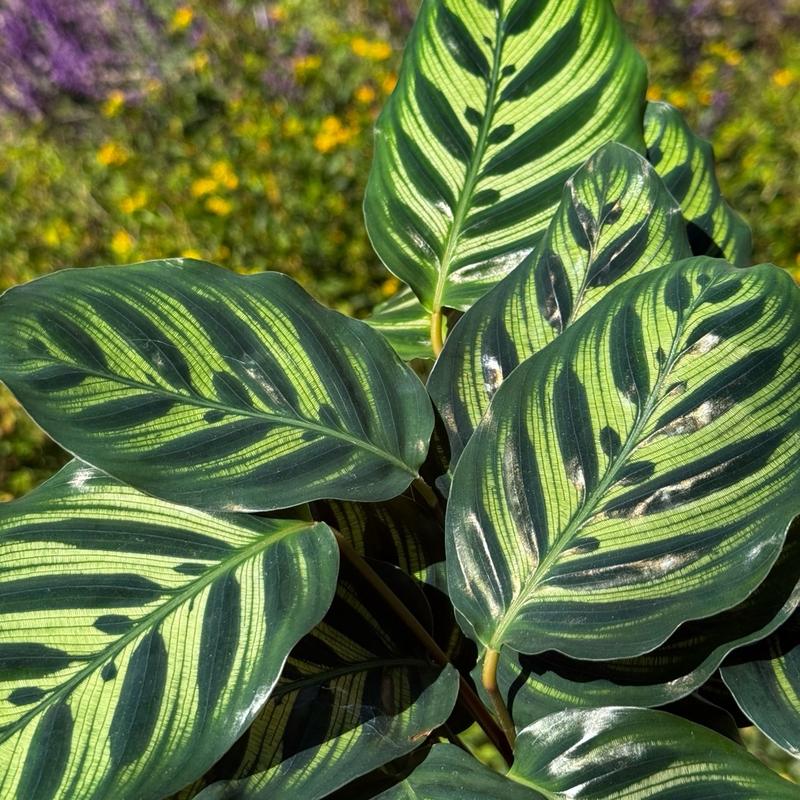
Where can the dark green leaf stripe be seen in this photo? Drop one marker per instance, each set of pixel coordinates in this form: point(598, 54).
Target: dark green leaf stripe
point(686, 163)
point(138, 639)
point(496, 105)
point(213, 389)
point(765, 681)
point(405, 324)
point(356, 693)
point(615, 220)
point(624, 475)
point(608, 753)
point(537, 685)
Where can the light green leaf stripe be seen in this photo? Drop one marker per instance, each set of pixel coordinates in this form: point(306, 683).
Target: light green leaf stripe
point(537, 685)
point(615, 220)
point(498, 102)
point(405, 324)
point(612, 753)
point(212, 389)
point(356, 693)
point(686, 163)
point(765, 681)
point(138, 639)
point(638, 472)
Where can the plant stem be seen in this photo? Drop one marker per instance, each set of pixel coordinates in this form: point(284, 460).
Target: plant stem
point(430, 497)
point(466, 695)
point(437, 342)
point(489, 680)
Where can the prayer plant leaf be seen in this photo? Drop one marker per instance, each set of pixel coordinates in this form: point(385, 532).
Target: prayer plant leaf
point(638, 472)
point(356, 693)
point(686, 164)
point(213, 389)
point(140, 638)
point(615, 220)
point(765, 682)
point(536, 685)
point(598, 754)
point(496, 105)
point(405, 324)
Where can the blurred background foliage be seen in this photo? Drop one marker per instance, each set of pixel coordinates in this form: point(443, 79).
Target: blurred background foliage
point(240, 132)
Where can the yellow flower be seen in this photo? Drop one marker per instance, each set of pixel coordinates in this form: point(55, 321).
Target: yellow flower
point(783, 78)
point(182, 18)
point(219, 206)
point(113, 104)
point(292, 127)
point(390, 286)
point(122, 243)
point(678, 98)
point(56, 233)
point(388, 83)
point(705, 96)
point(331, 134)
point(374, 51)
point(654, 92)
point(133, 202)
point(112, 154)
point(271, 188)
point(200, 61)
point(222, 172)
point(730, 56)
point(203, 186)
point(307, 64)
point(191, 253)
point(365, 94)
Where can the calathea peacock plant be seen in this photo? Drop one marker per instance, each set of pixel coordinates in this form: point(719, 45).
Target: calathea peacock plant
point(275, 568)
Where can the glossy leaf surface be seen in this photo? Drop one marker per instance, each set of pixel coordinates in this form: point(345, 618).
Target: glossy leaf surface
point(537, 685)
point(638, 472)
point(405, 324)
point(139, 638)
point(616, 752)
point(686, 163)
point(765, 681)
point(615, 220)
point(356, 693)
point(496, 105)
point(213, 389)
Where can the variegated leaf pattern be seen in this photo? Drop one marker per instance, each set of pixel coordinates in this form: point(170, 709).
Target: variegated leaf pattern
point(138, 639)
point(536, 685)
point(497, 103)
point(213, 389)
point(686, 163)
point(356, 693)
point(405, 324)
point(639, 471)
point(765, 681)
point(613, 752)
point(615, 220)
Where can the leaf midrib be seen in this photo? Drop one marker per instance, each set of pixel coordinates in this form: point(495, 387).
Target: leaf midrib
point(154, 618)
point(588, 506)
point(471, 178)
point(202, 402)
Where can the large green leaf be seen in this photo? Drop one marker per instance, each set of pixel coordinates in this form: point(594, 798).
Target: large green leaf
point(615, 220)
point(356, 693)
point(138, 639)
point(686, 163)
point(599, 755)
point(537, 685)
point(639, 471)
point(765, 681)
point(496, 105)
point(213, 389)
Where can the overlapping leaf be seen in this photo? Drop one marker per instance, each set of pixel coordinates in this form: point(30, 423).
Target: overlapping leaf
point(356, 694)
point(686, 163)
point(604, 753)
point(765, 681)
point(615, 220)
point(638, 472)
point(537, 685)
point(496, 105)
point(212, 389)
point(405, 324)
point(138, 638)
